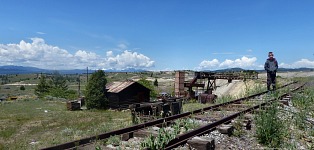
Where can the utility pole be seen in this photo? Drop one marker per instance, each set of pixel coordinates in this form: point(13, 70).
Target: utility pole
point(79, 85)
point(87, 75)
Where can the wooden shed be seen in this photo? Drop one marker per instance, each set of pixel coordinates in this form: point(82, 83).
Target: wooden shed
point(123, 94)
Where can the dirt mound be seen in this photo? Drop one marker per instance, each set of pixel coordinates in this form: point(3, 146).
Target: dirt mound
point(236, 88)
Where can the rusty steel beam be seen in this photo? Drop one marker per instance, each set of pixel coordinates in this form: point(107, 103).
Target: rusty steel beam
point(144, 125)
point(194, 85)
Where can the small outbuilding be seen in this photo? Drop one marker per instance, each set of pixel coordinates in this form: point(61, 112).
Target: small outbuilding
point(123, 94)
point(3, 98)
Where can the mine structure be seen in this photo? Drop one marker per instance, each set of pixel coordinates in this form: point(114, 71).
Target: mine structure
point(206, 81)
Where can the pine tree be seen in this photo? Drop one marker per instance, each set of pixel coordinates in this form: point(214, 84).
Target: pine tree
point(59, 87)
point(96, 91)
point(42, 87)
point(22, 87)
point(148, 84)
point(156, 83)
point(58, 81)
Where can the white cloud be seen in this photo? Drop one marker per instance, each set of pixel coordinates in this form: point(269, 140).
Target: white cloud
point(249, 63)
point(127, 59)
point(303, 63)
point(109, 53)
point(39, 54)
point(244, 62)
point(122, 46)
point(85, 56)
point(205, 64)
point(40, 33)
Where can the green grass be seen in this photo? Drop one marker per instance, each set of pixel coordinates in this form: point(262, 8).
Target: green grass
point(48, 123)
point(224, 99)
point(270, 129)
point(194, 106)
point(14, 90)
point(257, 88)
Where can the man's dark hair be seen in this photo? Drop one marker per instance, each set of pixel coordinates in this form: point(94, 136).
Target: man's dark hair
point(270, 53)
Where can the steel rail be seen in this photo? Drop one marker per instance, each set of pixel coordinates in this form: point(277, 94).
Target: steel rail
point(134, 128)
point(182, 139)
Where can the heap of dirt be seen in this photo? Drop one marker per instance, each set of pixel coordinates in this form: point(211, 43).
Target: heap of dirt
point(236, 88)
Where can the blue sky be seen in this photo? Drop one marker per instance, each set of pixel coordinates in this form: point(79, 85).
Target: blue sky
point(156, 34)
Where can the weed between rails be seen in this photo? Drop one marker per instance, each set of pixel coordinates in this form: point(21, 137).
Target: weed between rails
point(270, 129)
point(238, 126)
point(166, 134)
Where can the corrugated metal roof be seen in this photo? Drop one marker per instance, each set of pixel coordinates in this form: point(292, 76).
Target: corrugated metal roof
point(117, 87)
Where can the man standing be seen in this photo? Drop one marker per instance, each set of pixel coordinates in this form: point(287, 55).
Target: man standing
point(271, 66)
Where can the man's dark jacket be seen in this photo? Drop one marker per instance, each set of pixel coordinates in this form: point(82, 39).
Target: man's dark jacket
point(271, 65)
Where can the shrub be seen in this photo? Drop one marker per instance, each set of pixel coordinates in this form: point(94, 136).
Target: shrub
point(156, 83)
point(159, 142)
point(238, 132)
point(113, 140)
point(148, 84)
point(42, 87)
point(68, 94)
point(56, 86)
point(95, 95)
point(223, 99)
point(269, 127)
point(22, 87)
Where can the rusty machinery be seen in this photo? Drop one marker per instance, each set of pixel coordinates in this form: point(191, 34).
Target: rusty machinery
point(143, 112)
point(210, 78)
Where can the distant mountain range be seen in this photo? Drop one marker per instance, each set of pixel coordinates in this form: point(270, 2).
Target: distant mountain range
point(20, 70)
point(28, 70)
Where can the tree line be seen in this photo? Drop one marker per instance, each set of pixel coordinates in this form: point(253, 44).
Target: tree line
point(56, 85)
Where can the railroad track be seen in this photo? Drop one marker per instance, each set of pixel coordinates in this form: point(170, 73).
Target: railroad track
point(231, 109)
point(182, 139)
